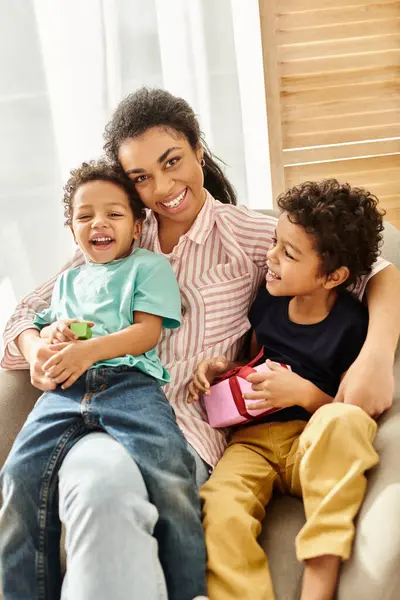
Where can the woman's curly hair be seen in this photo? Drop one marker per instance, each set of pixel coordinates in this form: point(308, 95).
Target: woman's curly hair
point(100, 170)
point(147, 108)
point(344, 221)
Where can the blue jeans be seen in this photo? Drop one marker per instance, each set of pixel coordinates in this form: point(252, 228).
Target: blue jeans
point(131, 407)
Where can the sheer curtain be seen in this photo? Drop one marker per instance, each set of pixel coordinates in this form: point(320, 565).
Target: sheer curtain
point(64, 66)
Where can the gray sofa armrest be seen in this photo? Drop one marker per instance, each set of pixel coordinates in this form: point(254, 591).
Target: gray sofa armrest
point(373, 570)
point(17, 397)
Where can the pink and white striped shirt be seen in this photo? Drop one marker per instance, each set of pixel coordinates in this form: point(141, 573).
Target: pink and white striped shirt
point(219, 264)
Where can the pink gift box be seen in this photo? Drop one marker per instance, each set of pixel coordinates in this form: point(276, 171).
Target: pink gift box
point(226, 406)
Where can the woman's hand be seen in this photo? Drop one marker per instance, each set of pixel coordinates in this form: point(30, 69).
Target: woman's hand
point(68, 362)
point(60, 331)
point(369, 384)
point(279, 388)
point(206, 372)
point(36, 352)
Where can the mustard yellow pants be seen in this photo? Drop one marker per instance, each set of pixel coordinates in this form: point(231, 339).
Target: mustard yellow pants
point(323, 461)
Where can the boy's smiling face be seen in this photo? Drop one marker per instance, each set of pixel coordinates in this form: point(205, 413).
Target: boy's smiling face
point(294, 266)
point(103, 224)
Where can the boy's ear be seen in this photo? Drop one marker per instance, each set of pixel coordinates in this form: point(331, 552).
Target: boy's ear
point(336, 278)
point(137, 229)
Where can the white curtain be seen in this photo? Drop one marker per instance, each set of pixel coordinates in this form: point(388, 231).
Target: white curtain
point(65, 65)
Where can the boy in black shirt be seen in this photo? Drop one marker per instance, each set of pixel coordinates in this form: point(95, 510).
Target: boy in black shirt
point(327, 236)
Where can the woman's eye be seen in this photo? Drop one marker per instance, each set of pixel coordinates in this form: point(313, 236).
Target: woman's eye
point(116, 215)
point(274, 241)
point(140, 179)
point(287, 254)
point(172, 161)
point(83, 217)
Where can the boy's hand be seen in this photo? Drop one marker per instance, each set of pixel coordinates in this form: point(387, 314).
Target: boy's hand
point(277, 388)
point(40, 353)
point(60, 331)
point(206, 371)
point(69, 362)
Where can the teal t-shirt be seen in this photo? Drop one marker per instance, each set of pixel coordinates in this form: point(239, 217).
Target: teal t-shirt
point(109, 294)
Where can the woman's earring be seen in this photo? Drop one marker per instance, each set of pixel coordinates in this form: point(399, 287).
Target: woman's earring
point(203, 162)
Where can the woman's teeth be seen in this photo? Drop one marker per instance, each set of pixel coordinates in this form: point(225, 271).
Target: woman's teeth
point(176, 201)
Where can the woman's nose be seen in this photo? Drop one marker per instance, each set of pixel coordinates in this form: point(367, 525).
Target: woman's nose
point(164, 185)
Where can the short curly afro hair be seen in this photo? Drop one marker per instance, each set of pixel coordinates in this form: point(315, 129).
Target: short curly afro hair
point(344, 221)
point(100, 170)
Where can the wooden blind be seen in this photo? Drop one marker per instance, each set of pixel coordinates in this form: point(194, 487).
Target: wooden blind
point(332, 74)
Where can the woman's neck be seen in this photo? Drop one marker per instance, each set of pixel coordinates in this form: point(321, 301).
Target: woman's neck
point(313, 308)
point(169, 233)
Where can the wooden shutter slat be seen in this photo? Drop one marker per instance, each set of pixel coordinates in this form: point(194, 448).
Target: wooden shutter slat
point(288, 6)
point(331, 48)
point(341, 151)
point(339, 15)
point(307, 35)
point(342, 79)
point(389, 88)
point(339, 122)
point(324, 65)
point(339, 108)
point(341, 136)
point(389, 164)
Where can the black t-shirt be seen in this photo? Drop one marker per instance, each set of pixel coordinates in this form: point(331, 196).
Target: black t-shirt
point(320, 352)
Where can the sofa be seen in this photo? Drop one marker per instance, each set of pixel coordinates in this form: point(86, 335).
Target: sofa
point(373, 572)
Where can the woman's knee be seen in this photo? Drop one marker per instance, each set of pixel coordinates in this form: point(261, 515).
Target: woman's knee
point(98, 473)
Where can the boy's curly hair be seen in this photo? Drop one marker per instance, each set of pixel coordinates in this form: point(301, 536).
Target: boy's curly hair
point(344, 221)
point(100, 170)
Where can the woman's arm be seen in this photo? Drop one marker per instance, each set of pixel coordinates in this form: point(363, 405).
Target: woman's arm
point(36, 352)
point(75, 358)
point(18, 345)
point(369, 381)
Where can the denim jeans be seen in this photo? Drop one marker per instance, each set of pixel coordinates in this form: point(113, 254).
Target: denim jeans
point(131, 407)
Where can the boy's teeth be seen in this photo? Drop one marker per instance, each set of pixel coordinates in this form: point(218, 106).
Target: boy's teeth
point(101, 239)
point(176, 201)
point(273, 274)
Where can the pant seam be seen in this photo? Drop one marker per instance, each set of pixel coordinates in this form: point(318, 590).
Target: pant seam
point(43, 506)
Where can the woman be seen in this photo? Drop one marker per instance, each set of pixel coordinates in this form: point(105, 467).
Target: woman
point(218, 253)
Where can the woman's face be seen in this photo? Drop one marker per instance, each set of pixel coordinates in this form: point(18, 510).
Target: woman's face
point(167, 173)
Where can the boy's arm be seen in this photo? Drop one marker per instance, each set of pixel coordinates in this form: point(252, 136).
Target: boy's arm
point(369, 381)
point(280, 388)
point(77, 357)
point(207, 370)
point(136, 339)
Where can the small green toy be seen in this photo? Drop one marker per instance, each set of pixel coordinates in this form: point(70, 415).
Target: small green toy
point(82, 330)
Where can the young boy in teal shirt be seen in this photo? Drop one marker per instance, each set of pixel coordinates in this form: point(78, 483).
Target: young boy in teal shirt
point(110, 383)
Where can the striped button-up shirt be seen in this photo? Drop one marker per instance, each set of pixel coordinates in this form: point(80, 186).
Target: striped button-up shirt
point(219, 264)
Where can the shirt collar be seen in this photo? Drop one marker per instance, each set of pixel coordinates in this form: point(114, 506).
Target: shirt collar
point(201, 228)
